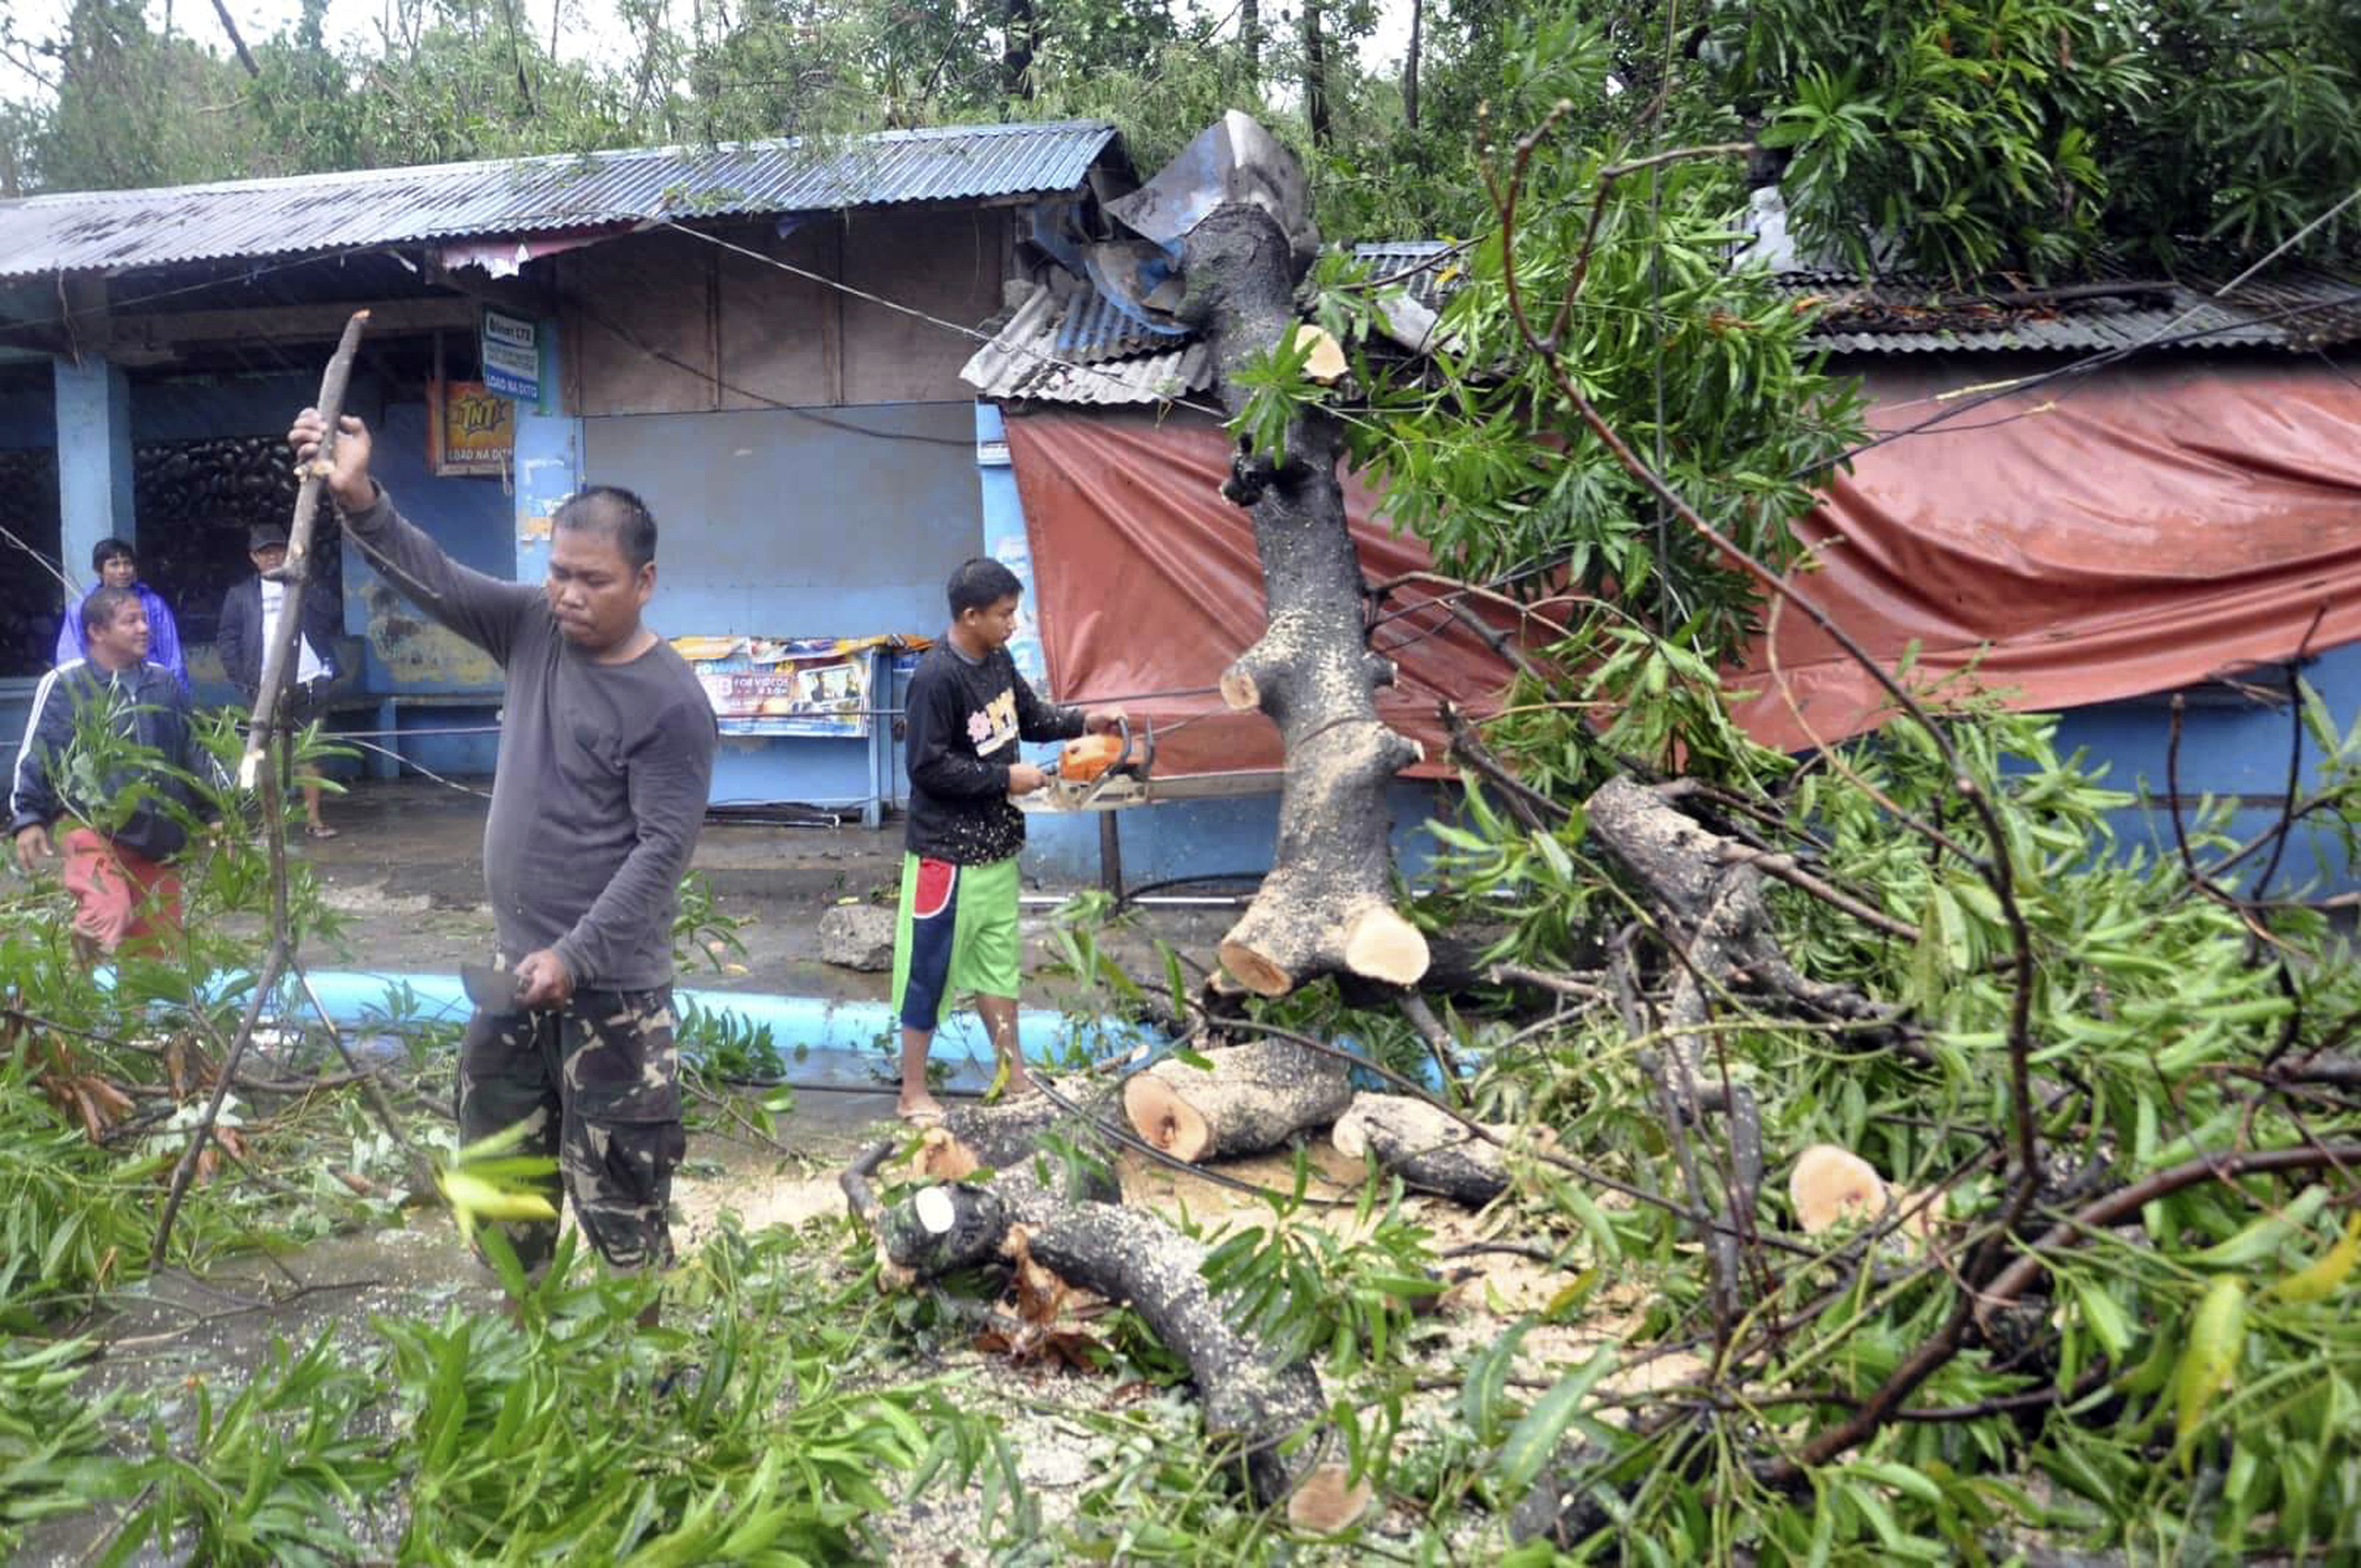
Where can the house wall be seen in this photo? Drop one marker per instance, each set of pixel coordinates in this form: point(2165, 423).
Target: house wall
point(2236, 753)
point(808, 454)
point(662, 323)
point(772, 523)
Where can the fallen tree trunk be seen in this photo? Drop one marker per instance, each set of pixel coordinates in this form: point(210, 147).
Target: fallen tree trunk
point(1069, 1152)
point(1254, 1097)
point(1327, 905)
point(1427, 1149)
point(1250, 1397)
point(1709, 894)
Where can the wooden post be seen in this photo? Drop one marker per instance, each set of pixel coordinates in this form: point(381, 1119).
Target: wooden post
point(1110, 854)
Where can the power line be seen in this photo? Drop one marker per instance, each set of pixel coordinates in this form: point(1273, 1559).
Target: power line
point(973, 334)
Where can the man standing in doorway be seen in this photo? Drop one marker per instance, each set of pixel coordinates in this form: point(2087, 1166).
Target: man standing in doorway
point(124, 887)
point(250, 622)
point(606, 762)
point(118, 568)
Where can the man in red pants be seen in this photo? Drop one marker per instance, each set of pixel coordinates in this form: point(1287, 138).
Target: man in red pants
point(125, 889)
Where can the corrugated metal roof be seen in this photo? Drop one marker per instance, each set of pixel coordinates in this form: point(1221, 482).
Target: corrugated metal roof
point(84, 230)
point(1024, 362)
point(1076, 347)
point(1411, 264)
point(2299, 308)
point(1092, 329)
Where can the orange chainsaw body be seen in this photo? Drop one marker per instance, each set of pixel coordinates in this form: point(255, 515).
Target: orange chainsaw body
point(1087, 758)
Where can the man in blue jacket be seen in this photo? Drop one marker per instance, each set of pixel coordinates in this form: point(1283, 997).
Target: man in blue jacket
point(126, 832)
point(118, 568)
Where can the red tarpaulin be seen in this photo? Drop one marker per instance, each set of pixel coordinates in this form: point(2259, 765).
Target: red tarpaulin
point(2148, 527)
point(1147, 582)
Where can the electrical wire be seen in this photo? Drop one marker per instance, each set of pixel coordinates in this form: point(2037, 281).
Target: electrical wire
point(974, 334)
point(55, 568)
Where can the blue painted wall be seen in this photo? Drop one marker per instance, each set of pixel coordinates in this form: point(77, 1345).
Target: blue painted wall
point(2241, 753)
point(403, 653)
point(837, 523)
point(842, 522)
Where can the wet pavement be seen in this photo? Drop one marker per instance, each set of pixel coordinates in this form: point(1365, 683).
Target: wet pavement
point(405, 873)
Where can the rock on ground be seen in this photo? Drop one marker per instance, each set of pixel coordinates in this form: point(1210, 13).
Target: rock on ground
point(857, 937)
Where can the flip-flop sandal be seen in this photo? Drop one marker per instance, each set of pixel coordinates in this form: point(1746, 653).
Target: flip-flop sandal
point(921, 1118)
point(324, 831)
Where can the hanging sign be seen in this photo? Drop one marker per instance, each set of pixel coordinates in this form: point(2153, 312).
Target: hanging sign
point(470, 429)
point(510, 355)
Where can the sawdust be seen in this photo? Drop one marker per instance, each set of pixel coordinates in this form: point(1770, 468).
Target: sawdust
point(787, 1199)
point(372, 898)
point(1059, 1458)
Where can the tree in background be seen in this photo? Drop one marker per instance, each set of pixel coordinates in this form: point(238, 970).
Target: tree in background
point(1955, 137)
point(135, 107)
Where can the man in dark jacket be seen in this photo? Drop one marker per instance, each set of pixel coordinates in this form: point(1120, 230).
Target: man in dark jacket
point(121, 878)
point(249, 615)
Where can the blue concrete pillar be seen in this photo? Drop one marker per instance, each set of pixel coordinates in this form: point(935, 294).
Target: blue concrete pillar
point(93, 413)
point(548, 462)
point(1006, 541)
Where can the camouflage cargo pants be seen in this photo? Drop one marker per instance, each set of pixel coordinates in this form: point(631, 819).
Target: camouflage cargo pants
point(598, 1084)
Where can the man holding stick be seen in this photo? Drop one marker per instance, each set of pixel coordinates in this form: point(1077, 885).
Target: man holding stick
point(605, 760)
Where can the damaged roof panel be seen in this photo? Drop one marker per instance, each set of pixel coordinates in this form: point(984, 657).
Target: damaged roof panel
point(1026, 360)
point(111, 230)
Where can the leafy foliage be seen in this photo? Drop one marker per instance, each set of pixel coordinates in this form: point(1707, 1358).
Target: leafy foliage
point(1973, 135)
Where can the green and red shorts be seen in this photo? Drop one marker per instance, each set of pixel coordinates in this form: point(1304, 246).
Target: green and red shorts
point(956, 937)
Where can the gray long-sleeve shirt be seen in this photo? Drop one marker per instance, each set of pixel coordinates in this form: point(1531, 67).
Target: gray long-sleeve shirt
point(603, 776)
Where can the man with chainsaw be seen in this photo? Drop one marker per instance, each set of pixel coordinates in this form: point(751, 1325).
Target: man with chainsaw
point(968, 709)
point(605, 760)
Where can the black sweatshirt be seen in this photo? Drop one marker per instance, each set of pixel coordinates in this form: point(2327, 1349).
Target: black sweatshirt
point(965, 718)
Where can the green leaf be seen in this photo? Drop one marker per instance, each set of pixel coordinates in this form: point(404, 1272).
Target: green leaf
point(1535, 1437)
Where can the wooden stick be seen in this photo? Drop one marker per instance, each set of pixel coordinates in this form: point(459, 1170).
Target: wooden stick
point(422, 1174)
point(297, 571)
point(251, 773)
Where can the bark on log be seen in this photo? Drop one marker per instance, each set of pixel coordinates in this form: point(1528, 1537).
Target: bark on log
point(1327, 907)
point(1711, 902)
point(1256, 1097)
point(1070, 1154)
point(1129, 1256)
point(1428, 1150)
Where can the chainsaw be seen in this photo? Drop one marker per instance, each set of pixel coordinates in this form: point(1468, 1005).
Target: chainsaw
point(1098, 773)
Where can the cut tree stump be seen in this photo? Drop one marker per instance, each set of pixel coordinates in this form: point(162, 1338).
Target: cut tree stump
point(1251, 1398)
point(1427, 1149)
point(1256, 1097)
point(1327, 905)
